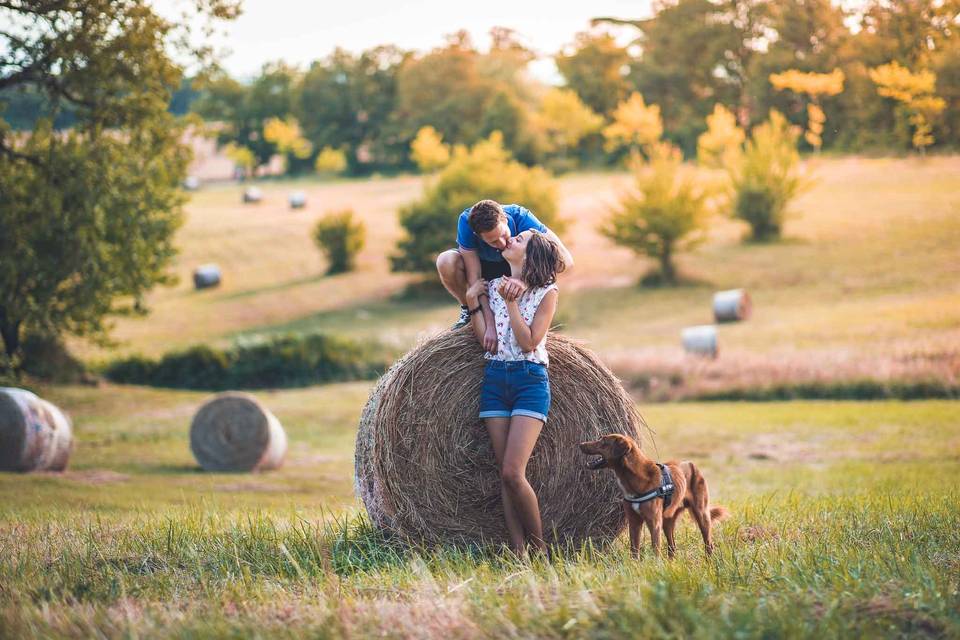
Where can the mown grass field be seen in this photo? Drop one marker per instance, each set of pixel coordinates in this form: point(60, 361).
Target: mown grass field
point(866, 283)
point(846, 522)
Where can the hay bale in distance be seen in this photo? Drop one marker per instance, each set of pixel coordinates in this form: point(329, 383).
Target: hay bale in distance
point(732, 306)
point(234, 432)
point(191, 183)
point(700, 340)
point(298, 200)
point(252, 195)
point(424, 464)
point(35, 435)
point(205, 276)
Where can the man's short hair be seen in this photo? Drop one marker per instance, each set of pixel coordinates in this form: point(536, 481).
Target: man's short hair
point(485, 216)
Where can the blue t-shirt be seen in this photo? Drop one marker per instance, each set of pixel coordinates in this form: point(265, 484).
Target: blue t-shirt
point(518, 219)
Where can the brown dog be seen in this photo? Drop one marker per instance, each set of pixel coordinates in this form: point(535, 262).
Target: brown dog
point(640, 477)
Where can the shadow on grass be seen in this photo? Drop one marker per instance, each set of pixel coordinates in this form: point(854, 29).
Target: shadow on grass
point(277, 286)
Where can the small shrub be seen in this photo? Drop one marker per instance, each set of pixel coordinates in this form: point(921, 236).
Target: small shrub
point(766, 180)
point(484, 171)
point(340, 238)
point(664, 214)
point(330, 161)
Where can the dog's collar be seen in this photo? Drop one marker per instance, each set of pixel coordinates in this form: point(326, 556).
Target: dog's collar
point(665, 490)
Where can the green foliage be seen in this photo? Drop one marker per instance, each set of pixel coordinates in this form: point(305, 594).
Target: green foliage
point(593, 67)
point(484, 171)
point(346, 101)
point(330, 161)
point(244, 110)
point(766, 179)
point(340, 237)
point(88, 214)
point(665, 213)
point(283, 361)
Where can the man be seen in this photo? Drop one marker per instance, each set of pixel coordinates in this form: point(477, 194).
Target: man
point(483, 231)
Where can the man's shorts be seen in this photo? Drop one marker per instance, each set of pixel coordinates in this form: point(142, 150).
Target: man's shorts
point(493, 270)
point(515, 388)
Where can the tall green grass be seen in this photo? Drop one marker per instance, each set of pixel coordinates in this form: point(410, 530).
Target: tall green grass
point(787, 565)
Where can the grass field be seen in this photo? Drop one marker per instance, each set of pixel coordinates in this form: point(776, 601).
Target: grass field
point(845, 515)
point(846, 522)
point(865, 284)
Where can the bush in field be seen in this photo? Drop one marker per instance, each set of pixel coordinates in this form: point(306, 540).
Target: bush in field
point(766, 179)
point(484, 171)
point(340, 238)
point(330, 161)
point(665, 212)
point(428, 150)
point(721, 144)
point(282, 361)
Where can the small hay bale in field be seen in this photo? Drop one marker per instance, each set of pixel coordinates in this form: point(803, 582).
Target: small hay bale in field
point(700, 340)
point(252, 195)
point(191, 183)
point(205, 276)
point(34, 434)
point(234, 432)
point(298, 200)
point(425, 468)
point(732, 306)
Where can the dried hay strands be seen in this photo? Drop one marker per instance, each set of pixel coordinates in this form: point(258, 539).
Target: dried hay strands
point(425, 468)
point(234, 432)
point(35, 435)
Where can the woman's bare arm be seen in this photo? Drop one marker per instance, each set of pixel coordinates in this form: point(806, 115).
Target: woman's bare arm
point(529, 336)
point(478, 323)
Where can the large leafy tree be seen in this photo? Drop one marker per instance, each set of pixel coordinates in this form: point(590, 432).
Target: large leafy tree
point(594, 66)
point(346, 101)
point(87, 214)
point(243, 110)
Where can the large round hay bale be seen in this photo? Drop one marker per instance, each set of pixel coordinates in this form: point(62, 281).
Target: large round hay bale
point(732, 306)
point(35, 435)
point(425, 468)
point(205, 276)
point(298, 200)
point(252, 195)
point(234, 432)
point(700, 340)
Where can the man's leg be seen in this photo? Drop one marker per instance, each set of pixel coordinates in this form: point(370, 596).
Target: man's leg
point(453, 274)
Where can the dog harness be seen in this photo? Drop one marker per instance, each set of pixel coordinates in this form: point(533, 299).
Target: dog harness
point(665, 491)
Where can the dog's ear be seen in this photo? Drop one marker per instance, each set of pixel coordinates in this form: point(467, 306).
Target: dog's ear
point(619, 446)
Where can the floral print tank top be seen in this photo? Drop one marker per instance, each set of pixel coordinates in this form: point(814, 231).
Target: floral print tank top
point(507, 347)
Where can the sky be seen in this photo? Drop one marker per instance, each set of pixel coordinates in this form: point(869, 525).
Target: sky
point(299, 31)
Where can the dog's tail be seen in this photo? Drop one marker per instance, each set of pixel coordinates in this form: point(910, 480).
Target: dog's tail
point(718, 513)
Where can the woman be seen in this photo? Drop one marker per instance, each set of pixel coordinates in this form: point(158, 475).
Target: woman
point(515, 397)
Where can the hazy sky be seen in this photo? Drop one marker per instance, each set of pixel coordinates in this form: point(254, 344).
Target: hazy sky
point(299, 31)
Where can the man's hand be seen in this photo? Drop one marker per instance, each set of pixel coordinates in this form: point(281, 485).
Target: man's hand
point(477, 289)
point(512, 288)
point(490, 339)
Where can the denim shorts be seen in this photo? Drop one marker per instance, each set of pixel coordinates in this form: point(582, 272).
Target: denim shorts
point(515, 388)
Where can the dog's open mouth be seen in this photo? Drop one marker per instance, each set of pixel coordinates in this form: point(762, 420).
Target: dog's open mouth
point(597, 463)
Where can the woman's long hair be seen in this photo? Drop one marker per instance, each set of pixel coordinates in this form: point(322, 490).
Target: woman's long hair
point(543, 261)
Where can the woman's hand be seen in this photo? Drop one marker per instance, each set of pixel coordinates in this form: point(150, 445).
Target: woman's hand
point(511, 289)
point(475, 290)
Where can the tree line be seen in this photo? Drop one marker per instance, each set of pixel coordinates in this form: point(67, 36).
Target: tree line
point(691, 56)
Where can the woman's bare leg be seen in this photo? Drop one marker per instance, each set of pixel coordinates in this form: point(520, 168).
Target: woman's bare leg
point(498, 428)
point(521, 438)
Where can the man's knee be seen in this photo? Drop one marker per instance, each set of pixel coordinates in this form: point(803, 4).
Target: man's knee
point(449, 262)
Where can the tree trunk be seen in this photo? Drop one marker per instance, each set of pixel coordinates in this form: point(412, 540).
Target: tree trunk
point(666, 266)
point(10, 332)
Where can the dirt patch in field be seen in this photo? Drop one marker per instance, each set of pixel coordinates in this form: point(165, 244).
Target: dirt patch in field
point(89, 476)
point(774, 447)
point(254, 487)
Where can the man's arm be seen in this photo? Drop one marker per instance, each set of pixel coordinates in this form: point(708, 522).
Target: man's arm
point(471, 264)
